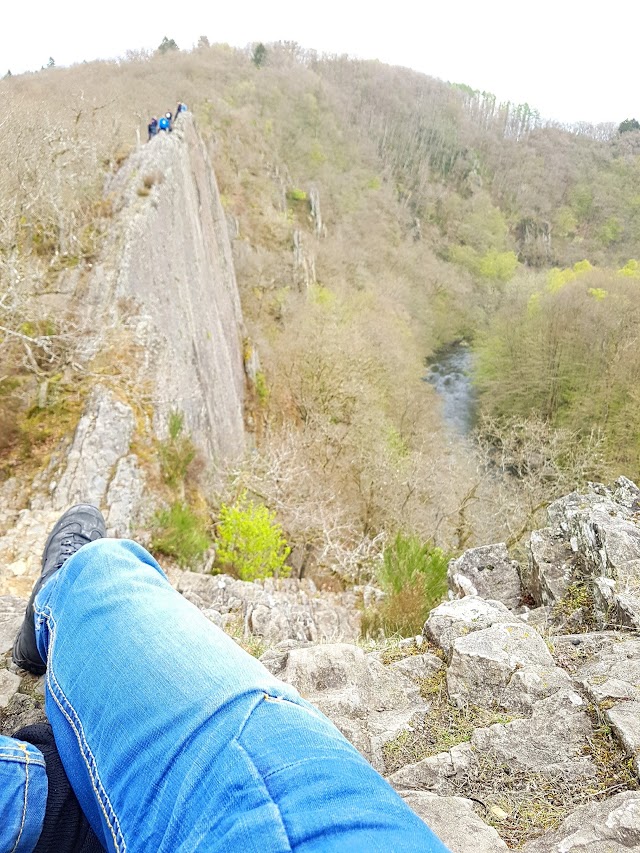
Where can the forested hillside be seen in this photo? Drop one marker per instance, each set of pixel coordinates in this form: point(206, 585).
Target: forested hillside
point(377, 215)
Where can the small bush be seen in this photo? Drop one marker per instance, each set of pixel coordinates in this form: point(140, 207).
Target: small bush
point(176, 453)
point(296, 195)
point(250, 540)
point(180, 533)
point(414, 576)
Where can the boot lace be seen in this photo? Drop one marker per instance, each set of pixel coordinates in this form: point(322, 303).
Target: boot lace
point(68, 547)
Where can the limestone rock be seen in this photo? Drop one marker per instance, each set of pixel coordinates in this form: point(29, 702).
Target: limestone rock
point(274, 609)
point(102, 438)
point(610, 826)
point(457, 618)
point(11, 616)
point(368, 702)
point(531, 683)
point(418, 666)
point(172, 293)
point(124, 497)
point(484, 662)
point(612, 679)
point(487, 572)
point(455, 822)
point(9, 683)
point(551, 564)
point(552, 742)
point(21, 711)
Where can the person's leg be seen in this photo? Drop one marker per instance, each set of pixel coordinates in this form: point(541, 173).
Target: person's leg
point(65, 828)
point(23, 795)
point(175, 739)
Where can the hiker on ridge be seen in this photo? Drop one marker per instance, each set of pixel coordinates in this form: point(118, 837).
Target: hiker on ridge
point(152, 128)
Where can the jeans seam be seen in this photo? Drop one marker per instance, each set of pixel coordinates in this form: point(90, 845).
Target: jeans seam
point(266, 788)
point(75, 723)
point(26, 795)
point(19, 759)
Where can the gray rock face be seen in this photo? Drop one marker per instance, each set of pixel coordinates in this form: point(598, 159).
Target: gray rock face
point(552, 743)
point(9, 683)
point(551, 563)
point(613, 678)
point(454, 821)
point(174, 292)
point(453, 619)
point(275, 610)
point(487, 572)
point(611, 826)
point(11, 616)
point(124, 497)
point(370, 704)
point(101, 440)
point(484, 663)
point(417, 666)
point(602, 529)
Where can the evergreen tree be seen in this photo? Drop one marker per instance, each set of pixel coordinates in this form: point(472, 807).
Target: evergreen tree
point(259, 55)
point(203, 41)
point(166, 45)
point(629, 124)
point(8, 74)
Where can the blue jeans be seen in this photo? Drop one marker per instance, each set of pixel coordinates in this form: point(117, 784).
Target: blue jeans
point(175, 740)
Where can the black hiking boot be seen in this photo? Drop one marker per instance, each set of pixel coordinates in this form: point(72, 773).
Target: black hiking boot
point(77, 527)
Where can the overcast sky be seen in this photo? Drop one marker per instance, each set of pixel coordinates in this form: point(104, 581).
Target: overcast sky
point(570, 59)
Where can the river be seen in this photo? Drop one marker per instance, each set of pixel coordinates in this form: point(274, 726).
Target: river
point(450, 371)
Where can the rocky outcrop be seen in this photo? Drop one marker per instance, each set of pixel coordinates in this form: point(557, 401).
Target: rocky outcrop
point(158, 328)
point(454, 820)
point(612, 826)
point(173, 292)
point(486, 572)
point(593, 539)
point(274, 610)
point(493, 715)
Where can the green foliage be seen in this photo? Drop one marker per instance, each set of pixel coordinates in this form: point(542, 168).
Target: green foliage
point(498, 266)
point(628, 124)
point(181, 533)
point(631, 269)
point(259, 55)
point(296, 194)
point(250, 541)
point(413, 574)
point(166, 45)
point(262, 389)
point(597, 292)
point(567, 353)
point(611, 231)
point(176, 453)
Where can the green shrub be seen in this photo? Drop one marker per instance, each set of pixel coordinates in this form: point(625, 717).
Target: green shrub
point(250, 540)
point(179, 532)
point(176, 453)
point(414, 576)
point(296, 195)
